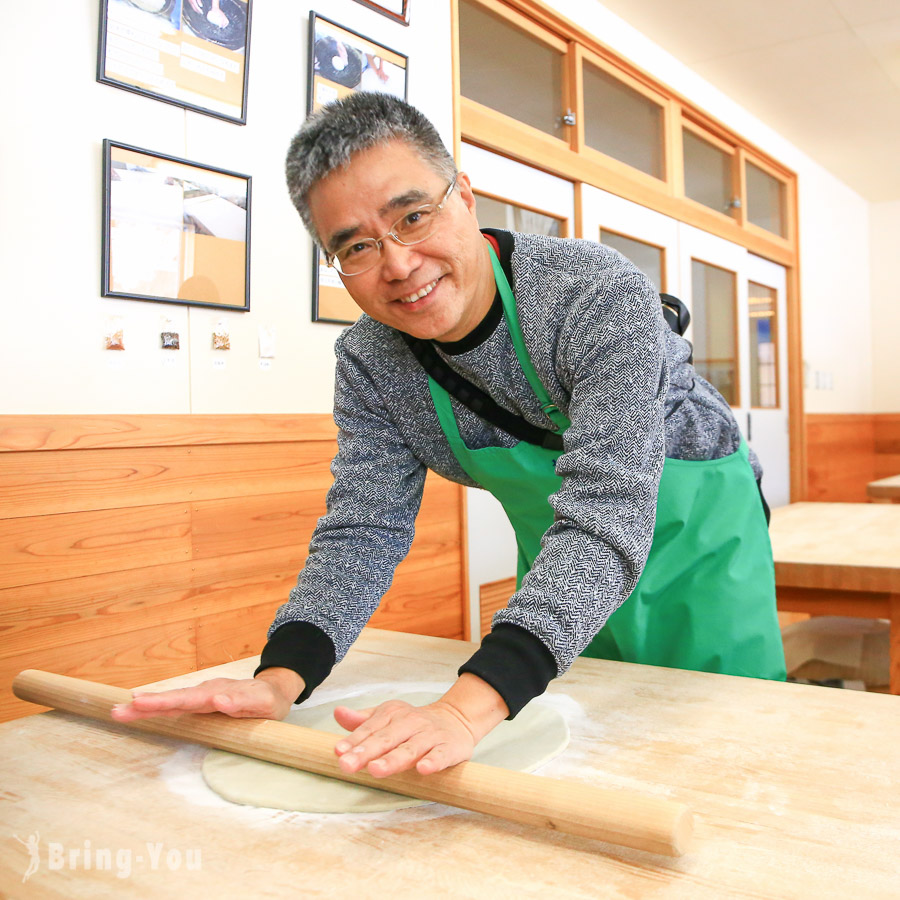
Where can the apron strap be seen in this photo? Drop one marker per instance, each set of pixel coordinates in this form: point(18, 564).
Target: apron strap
point(477, 400)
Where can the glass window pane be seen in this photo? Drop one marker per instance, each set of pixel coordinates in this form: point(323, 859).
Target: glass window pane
point(508, 70)
point(494, 213)
point(714, 327)
point(765, 200)
point(646, 257)
point(707, 173)
point(621, 122)
point(763, 346)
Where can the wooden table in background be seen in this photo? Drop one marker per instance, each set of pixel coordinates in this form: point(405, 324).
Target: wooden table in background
point(795, 791)
point(840, 559)
point(885, 490)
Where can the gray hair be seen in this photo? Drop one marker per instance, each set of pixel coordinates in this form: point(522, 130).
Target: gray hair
point(328, 139)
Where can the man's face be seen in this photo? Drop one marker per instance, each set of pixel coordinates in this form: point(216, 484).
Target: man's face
point(451, 268)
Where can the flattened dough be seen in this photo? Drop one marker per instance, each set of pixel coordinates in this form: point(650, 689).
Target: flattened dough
point(536, 735)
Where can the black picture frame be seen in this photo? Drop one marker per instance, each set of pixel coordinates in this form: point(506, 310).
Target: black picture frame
point(176, 55)
point(402, 16)
point(361, 64)
point(175, 231)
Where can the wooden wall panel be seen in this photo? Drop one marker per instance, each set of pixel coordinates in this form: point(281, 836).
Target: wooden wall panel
point(223, 527)
point(840, 455)
point(236, 634)
point(49, 548)
point(33, 484)
point(136, 548)
point(887, 445)
point(137, 656)
point(846, 451)
point(84, 432)
point(493, 597)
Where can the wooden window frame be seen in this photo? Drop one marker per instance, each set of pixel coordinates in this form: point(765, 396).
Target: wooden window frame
point(529, 135)
point(581, 55)
point(499, 198)
point(500, 133)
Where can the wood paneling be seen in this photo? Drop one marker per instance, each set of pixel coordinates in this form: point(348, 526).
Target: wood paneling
point(845, 451)
point(494, 596)
point(840, 456)
point(887, 445)
point(137, 548)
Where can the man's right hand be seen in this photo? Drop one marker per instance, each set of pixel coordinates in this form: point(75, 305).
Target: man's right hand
point(267, 696)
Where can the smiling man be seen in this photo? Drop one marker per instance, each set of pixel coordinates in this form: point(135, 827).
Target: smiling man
point(538, 369)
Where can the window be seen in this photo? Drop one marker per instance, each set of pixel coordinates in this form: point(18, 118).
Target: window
point(648, 258)
point(765, 200)
point(510, 69)
point(708, 169)
point(622, 122)
point(496, 213)
point(763, 346)
point(714, 335)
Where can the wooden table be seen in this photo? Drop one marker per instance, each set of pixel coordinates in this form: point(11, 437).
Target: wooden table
point(840, 559)
point(795, 791)
point(885, 490)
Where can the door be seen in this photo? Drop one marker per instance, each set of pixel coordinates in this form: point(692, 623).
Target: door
point(738, 316)
point(515, 197)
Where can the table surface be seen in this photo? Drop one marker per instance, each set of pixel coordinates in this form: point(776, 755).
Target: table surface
point(794, 788)
point(852, 546)
point(885, 487)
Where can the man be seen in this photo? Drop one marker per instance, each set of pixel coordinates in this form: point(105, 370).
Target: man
point(608, 442)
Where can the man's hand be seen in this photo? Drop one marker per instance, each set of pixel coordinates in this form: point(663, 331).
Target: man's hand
point(267, 696)
point(395, 736)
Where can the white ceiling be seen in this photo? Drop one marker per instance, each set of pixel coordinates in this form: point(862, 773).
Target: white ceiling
point(825, 74)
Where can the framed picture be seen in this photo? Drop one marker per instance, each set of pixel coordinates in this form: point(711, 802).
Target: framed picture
point(340, 63)
point(174, 231)
point(398, 10)
point(193, 53)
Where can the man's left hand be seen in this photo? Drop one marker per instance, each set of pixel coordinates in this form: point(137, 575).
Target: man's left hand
point(396, 736)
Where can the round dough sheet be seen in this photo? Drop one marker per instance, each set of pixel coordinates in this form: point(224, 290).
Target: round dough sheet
point(536, 735)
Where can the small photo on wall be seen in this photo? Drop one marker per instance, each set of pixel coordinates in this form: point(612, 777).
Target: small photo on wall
point(174, 231)
point(341, 63)
point(398, 10)
point(192, 53)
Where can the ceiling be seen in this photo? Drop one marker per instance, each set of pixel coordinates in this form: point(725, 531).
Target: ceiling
point(825, 74)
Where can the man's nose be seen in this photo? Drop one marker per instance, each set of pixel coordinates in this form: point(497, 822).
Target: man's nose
point(398, 260)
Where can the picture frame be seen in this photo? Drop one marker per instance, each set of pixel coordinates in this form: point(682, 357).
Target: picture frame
point(174, 230)
point(398, 10)
point(190, 53)
point(341, 62)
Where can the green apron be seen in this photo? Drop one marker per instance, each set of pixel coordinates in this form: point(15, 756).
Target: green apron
point(706, 597)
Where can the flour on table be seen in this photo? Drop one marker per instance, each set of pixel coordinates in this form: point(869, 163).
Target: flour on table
point(535, 736)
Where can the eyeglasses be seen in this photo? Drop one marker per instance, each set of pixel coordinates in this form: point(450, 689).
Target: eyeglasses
point(412, 227)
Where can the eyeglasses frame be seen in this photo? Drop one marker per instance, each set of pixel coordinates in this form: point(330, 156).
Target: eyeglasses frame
point(379, 242)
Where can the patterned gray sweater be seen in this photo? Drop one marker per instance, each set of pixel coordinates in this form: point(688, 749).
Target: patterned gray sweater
point(593, 327)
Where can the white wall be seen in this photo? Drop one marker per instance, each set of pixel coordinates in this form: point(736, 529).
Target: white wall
point(885, 242)
point(51, 336)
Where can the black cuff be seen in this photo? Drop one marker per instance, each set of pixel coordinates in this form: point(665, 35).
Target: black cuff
point(516, 664)
point(303, 647)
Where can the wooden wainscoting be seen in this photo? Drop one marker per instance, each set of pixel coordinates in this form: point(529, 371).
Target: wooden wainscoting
point(136, 548)
point(845, 451)
point(887, 445)
point(492, 597)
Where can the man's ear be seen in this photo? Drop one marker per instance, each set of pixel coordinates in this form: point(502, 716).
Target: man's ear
point(465, 191)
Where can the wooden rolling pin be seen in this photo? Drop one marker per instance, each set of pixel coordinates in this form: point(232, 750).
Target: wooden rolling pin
point(619, 817)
